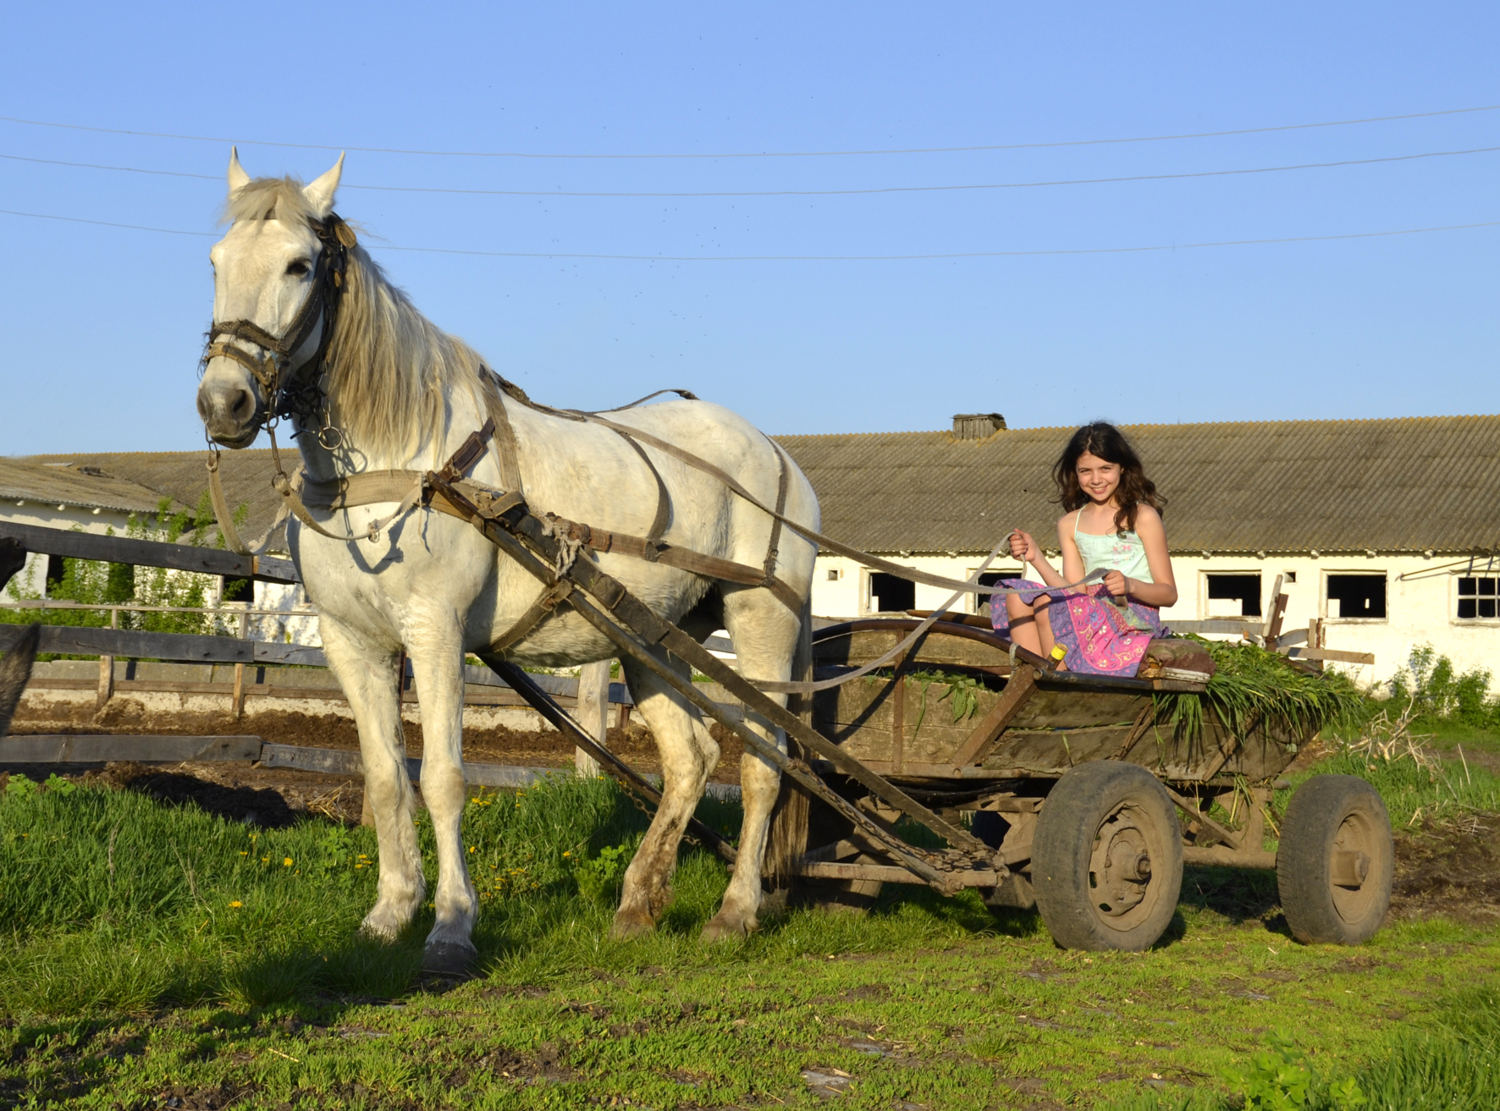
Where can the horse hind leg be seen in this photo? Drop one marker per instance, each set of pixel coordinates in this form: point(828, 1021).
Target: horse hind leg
point(766, 637)
point(688, 756)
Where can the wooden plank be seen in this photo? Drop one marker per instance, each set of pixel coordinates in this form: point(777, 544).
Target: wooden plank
point(82, 640)
point(1274, 612)
point(1219, 625)
point(1336, 655)
point(271, 652)
point(1017, 692)
point(343, 761)
point(884, 873)
point(103, 748)
point(148, 553)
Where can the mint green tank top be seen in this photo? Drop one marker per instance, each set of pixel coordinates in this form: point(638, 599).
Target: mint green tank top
point(1123, 552)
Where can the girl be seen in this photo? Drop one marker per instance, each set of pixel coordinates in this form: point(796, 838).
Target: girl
point(1113, 520)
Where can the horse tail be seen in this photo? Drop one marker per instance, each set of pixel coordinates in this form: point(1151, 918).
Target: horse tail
point(789, 817)
point(15, 673)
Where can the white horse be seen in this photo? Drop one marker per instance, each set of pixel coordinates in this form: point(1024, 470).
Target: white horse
point(384, 389)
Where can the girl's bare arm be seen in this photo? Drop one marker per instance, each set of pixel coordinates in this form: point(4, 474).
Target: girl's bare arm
point(1163, 591)
point(1072, 558)
point(1025, 548)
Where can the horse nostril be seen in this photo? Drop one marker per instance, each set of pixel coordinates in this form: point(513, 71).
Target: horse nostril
point(204, 410)
point(243, 406)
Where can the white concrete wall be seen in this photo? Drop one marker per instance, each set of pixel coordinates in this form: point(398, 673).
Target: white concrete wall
point(1420, 609)
point(50, 516)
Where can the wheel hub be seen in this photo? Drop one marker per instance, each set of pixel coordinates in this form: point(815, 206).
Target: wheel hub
point(1121, 866)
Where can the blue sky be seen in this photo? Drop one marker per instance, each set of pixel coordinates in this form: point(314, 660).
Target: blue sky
point(104, 325)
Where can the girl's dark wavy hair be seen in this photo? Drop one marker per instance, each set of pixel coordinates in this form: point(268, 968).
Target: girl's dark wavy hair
point(1108, 443)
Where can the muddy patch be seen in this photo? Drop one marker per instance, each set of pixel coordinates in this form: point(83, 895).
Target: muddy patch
point(1449, 868)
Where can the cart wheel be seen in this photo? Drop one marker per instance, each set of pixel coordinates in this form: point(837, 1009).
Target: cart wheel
point(1336, 861)
point(1107, 861)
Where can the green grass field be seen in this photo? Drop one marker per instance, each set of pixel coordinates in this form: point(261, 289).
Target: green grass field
point(156, 955)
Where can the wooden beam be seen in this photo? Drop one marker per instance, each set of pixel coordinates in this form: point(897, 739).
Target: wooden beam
point(1274, 613)
point(1020, 688)
point(1334, 654)
point(148, 553)
point(83, 640)
point(103, 748)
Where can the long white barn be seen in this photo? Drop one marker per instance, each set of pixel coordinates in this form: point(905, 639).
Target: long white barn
point(1385, 531)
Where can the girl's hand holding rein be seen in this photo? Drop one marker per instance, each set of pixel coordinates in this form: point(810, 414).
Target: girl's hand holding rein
point(1117, 584)
point(1023, 547)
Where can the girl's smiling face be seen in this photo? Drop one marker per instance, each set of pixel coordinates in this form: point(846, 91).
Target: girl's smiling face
point(1097, 478)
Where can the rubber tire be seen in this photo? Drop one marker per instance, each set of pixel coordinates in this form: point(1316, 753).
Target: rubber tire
point(1315, 909)
point(1075, 813)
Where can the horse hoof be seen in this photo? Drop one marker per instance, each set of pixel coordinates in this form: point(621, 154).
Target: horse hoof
point(449, 960)
point(625, 928)
point(718, 930)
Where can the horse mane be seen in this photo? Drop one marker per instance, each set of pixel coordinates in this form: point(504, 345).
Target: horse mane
point(389, 367)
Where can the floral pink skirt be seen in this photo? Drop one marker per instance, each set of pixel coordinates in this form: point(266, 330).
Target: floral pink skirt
point(1101, 637)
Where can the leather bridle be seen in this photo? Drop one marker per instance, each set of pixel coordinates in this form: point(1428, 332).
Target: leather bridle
point(273, 372)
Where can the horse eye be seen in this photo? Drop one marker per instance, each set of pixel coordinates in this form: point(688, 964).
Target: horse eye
point(298, 267)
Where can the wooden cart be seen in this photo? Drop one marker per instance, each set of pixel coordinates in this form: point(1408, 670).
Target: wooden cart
point(1092, 800)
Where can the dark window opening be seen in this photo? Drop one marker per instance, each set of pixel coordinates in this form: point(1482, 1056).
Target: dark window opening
point(56, 569)
point(119, 586)
point(992, 578)
point(888, 594)
point(1357, 596)
point(1478, 597)
point(238, 590)
point(1243, 589)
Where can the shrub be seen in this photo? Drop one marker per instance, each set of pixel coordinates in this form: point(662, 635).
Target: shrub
point(1437, 690)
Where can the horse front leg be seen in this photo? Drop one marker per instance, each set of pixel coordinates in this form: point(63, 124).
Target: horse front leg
point(437, 662)
point(368, 677)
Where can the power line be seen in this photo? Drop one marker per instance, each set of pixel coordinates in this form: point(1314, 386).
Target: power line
point(814, 258)
point(760, 154)
point(803, 192)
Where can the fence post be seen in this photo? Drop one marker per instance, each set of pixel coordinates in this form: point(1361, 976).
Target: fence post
point(239, 674)
point(107, 669)
point(592, 712)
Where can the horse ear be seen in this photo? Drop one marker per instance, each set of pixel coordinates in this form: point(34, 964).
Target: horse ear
point(319, 193)
point(237, 174)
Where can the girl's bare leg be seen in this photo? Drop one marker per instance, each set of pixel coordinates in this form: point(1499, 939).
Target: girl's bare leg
point(1030, 625)
point(1024, 628)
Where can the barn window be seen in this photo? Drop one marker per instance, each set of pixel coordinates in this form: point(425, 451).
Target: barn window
point(889, 594)
point(980, 603)
point(56, 569)
point(1357, 596)
point(1478, 597)
point(1235, 595)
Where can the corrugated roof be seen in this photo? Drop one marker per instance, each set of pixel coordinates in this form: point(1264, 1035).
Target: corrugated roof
point(92, 488)
point(1285, 486)
point(181, 476)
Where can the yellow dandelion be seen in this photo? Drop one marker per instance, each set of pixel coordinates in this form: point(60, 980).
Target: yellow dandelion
point(471, 848)
point(287, 863)
point(236, 903)
point(265, 860)
point(244, 854)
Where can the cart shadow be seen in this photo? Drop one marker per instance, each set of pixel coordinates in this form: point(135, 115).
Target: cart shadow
point(1239, 895)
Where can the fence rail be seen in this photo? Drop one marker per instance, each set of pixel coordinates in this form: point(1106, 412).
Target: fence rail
point(150, 553)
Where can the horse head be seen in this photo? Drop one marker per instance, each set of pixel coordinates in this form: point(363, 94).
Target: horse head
point(278, 275)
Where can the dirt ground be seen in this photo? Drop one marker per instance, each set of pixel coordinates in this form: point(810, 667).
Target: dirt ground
point(543, 748)
point(1450, 868)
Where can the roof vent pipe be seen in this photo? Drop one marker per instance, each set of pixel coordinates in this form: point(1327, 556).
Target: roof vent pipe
point(977, 426)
